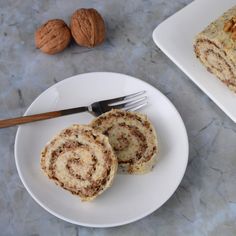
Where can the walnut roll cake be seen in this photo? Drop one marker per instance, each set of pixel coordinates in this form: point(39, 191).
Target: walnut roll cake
point(215, 47)
point(80, 160)
point(132, 137)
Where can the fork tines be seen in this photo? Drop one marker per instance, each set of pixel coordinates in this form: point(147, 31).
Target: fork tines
point(130, 102)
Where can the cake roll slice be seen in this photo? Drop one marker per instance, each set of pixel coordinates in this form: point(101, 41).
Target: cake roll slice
point(80, 160)
point(215, 47)
point(133, 139)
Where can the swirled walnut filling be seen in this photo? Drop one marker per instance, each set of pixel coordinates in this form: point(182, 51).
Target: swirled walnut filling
point(73, 165)
point(124, 137)
point(216, 60)
point(79, 161)
point(131, 135)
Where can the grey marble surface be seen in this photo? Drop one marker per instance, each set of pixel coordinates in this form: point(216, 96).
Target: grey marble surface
point(204, 203)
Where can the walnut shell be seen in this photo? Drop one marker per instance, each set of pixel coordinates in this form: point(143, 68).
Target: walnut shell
point(87, 27)
point(53, 36)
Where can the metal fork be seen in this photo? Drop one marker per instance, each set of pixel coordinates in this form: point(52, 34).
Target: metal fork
point(130, 102)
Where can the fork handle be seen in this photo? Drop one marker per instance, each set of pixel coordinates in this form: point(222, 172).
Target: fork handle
point(41, 116)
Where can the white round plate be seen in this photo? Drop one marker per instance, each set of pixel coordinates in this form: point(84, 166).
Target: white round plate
point(131, 197)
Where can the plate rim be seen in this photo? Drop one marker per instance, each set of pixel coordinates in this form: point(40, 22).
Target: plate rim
point(134, 219)
point(156, 40)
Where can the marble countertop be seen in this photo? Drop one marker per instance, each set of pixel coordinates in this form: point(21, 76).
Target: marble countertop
point(204, 203)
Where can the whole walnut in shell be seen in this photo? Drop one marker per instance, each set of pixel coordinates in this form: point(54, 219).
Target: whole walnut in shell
point(87, 27)
point(53, 36)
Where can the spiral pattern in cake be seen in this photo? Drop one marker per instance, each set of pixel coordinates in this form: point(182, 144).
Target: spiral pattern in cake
point(216, 49)
point(80, 160)
point(132, 137)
